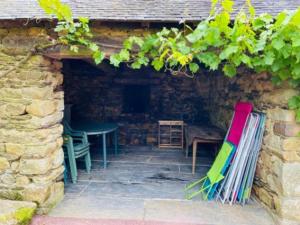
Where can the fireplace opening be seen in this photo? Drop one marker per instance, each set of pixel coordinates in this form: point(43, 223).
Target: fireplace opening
point(136, 98)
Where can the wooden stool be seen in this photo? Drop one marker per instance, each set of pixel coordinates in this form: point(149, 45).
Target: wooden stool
point(204, 141)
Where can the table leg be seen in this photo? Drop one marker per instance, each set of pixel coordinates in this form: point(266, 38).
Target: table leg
point(116, 141)
point(186, 150)
point(194, 156)
point(104, 150)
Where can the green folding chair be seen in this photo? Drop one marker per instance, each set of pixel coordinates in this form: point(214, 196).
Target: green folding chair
point(76, 146)
point(215, 174)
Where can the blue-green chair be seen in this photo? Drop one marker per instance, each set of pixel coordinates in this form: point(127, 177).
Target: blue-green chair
point(76, 146)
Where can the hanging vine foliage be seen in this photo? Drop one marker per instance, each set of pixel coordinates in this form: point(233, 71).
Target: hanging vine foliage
point(221, 42)
point(72, 33)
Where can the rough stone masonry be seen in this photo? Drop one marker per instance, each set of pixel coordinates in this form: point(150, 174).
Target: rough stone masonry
point(31, 110)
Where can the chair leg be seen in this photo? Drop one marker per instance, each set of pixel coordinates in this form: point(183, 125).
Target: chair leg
point(186, 150)
point(73, 169)
point(194, 156)
point(104, 151)
point(87, 159)
point(65, 172)
point(116, 141)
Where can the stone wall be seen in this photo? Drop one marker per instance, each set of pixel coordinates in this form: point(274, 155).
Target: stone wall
point(277, 181)
point(31, 108)
point(98, 94)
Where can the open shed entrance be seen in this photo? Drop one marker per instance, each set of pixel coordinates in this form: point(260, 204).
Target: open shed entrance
point(136, 100)
point(141, 175)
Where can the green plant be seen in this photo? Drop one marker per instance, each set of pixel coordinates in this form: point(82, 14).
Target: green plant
point(260, 42)
point(73, 33)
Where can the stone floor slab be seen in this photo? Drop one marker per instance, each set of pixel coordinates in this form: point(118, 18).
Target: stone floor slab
point(146, 185)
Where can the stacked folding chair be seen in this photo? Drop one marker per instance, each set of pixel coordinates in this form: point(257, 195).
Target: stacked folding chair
point(231, 176)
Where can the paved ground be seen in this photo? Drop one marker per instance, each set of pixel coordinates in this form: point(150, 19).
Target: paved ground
point(145, 186)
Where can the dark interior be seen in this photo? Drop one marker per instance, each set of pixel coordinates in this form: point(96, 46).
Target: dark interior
point(135, 99)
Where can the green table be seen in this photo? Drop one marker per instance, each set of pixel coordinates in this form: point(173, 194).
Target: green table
point(96, 128)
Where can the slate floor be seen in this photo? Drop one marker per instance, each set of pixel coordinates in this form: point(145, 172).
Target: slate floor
point(146, 184)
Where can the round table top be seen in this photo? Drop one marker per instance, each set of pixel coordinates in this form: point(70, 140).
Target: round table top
point(94, 128)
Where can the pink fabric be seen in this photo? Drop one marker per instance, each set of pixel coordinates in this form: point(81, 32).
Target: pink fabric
point(242, 111)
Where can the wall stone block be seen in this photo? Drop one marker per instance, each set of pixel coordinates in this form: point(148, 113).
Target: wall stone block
point(47, 121)
point(2, 147)
point(15, 166)
point(10, 93)
point(291, 144)
point(279, 97)
point(290, 208)
point(39, 136)
point(22, 181)
point(12, 109)
point(8, 179)
point(278, 114)
point(42, 93)
point(57, 158)
point(36, 193)
point(49, 177)
point(290, 179)
point(40, 151)
point(35, 166)
point(287, 129)
point(272, 142)
point(56, 195)
point(41, 108)
point(4, 164)
point(16, 149)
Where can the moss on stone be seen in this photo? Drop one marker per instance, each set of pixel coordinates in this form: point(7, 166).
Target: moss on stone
point(15, 212)
point(11, 195)
point(24, 215)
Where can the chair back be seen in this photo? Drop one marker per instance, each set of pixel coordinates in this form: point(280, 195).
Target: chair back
point(67, 127)
point(241, 113)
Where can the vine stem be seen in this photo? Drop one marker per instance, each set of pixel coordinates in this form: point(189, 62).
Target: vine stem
point(18, 64)
point(34, 51)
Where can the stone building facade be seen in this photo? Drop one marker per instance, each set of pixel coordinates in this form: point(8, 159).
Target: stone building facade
point(32, 104)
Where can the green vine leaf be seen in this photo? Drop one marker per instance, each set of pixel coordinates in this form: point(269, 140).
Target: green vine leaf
point(157, 64)
point(98, 56)
point(229, 70)
point(269, 58)
point(278, 44)
point(228, 52)
point(194, 67)
point(210, 59)
point(115, 60)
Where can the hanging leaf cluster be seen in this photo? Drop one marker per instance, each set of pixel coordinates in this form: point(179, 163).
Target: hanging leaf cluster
point(220, 42)
point(73, 33)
